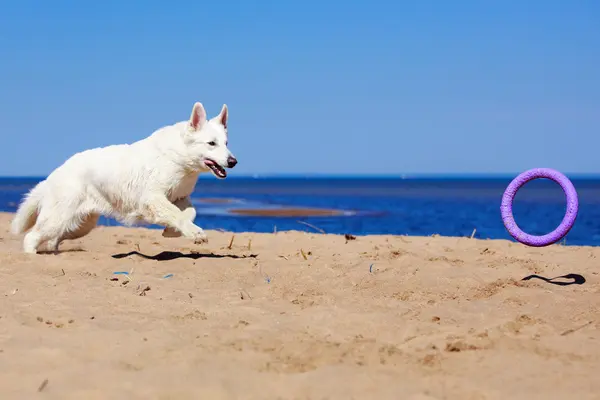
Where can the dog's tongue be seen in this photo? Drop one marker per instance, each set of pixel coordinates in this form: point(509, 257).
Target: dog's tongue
point(216, 168)
point(220, 172)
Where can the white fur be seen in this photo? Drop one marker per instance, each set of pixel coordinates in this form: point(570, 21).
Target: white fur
point(146, 181)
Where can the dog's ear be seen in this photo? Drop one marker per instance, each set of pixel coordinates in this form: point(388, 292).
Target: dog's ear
point(198, 117)
point(222, 117)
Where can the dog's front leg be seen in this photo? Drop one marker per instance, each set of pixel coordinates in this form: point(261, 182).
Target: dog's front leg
point(161, 211)
point(188, 210)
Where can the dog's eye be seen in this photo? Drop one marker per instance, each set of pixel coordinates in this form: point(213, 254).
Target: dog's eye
point(212, 143)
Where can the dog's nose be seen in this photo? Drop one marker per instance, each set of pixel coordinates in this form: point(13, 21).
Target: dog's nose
point(231, 161)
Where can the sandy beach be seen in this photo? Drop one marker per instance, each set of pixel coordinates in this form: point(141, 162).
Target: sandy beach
point(297, 315)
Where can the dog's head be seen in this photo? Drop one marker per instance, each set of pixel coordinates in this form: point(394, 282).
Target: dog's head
point(206, 141)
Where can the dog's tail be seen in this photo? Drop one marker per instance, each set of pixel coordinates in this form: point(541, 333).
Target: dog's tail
point(27, 213)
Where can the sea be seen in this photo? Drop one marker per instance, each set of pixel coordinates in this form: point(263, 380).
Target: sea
point(420, 206)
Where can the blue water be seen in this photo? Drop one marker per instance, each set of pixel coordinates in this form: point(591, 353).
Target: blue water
point(449, 207)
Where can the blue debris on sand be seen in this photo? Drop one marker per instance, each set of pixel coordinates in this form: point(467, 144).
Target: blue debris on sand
point(168, 276)
point(371, 268)
point(121, 273)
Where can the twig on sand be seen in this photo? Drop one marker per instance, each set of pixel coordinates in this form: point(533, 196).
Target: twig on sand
point(473, 234)
point(312, 226)
point(231, 241)
point(129, 276)
point(569, 331)
point(63, 273)
point(43, 385)
point(285, 258)
point(143, 290)
point(249, 244)
point(303, 254)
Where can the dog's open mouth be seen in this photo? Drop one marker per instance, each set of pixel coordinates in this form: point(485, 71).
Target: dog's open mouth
point(215, 168)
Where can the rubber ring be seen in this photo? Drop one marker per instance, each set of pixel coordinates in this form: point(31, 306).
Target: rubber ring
point(567, 222)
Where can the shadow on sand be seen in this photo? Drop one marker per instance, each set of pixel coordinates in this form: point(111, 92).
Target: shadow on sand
point(572, 279)
point(173, 255)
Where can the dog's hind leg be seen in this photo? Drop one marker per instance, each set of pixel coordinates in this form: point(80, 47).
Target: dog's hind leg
point(79, 228)
point(52, 244)
point(88, 223)
point(189, 212)
point(56, 223)
point(45, 230)
point(32, 241)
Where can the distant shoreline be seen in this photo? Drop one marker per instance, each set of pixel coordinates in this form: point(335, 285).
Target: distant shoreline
point(409, 177)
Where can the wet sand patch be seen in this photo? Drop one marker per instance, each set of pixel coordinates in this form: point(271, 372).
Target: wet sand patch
point(216, 200)
point(287, 212)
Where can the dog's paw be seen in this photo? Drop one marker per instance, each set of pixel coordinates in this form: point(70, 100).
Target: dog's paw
point(200, 238)
point(195, 233)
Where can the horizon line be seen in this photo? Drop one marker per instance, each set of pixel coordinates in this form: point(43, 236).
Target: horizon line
point(403, 176)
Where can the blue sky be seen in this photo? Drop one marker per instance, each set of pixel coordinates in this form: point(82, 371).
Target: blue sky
point(312, 86)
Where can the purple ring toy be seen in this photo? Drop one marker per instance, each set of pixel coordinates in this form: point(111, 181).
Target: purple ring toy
point(567, 222)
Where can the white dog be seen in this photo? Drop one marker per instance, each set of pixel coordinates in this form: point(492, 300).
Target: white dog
point(147, 181)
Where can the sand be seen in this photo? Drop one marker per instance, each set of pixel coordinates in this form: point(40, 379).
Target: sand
point(378, 317)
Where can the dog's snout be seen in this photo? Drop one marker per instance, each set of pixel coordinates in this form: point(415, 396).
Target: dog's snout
point(231, 161)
